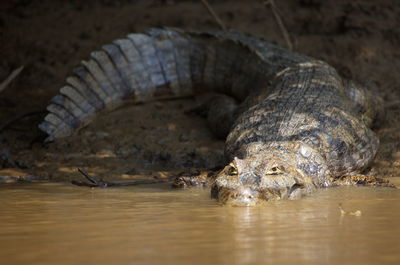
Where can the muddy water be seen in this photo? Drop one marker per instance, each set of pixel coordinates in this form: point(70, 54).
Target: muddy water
point(63, 224)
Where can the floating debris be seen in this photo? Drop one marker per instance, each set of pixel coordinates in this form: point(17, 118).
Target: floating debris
point(344, 213)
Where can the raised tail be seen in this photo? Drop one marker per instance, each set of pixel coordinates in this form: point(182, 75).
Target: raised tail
point(162, 63)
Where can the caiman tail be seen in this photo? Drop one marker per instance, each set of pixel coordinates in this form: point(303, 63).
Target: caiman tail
point(300, 125)
point(163, 63)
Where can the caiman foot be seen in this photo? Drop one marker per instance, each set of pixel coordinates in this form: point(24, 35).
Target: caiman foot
point(358, 179)
point(196, 179)
point(94, 183)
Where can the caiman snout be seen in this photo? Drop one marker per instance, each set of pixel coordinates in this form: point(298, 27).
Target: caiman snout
point(249, 182)
point(243, 196)
point(247, 196)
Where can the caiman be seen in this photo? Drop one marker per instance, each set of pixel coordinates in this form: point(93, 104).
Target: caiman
point(292, 123)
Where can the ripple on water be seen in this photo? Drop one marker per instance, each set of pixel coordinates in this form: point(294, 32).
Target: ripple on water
point(63, 224)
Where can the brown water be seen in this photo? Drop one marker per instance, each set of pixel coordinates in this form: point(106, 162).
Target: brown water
point(63, 224)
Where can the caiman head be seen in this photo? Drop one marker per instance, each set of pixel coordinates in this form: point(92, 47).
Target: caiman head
point(251, 181)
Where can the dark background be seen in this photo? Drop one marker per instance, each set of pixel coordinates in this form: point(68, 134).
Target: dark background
point(359, 37)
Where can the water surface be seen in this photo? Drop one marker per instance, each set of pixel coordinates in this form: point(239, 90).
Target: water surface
point(63, 224)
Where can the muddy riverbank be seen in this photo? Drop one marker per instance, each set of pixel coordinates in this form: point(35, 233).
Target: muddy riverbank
point(49, 38)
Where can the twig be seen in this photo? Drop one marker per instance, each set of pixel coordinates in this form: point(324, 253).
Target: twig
point(279, 21)
point(8, 80)
point(19, 117)
point(213, 14)
point(95, 183)
point(87, 176)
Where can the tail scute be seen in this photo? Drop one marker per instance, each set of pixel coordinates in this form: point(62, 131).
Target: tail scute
point(122, 70)
point(174, 53)
point(136, 67)
point(162, 62)
point(100, 79)
point(80, 101)
point(118, 87)
point(148, 55)
point(68, 105)
point(55, 127)
point(90, 95)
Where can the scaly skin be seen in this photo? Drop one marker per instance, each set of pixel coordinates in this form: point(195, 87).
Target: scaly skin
point(303, 136)
point(293, 123)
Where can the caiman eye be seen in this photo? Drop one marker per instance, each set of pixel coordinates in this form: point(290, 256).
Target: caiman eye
point(232, 171)
point(276, 170)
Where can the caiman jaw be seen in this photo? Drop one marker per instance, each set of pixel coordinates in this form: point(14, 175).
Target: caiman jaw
point(243, 196)
point(240, 191)
point(251, 181)
point(247, 196)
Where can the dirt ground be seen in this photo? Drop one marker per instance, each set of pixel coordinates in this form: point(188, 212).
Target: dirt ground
point(361, 38)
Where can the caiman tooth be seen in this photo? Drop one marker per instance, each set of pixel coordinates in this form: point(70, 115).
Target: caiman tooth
point(145, 47)
point(77, 98)
point(86, 76)
point(137, 67)
point(125, 73)
point(90, 95)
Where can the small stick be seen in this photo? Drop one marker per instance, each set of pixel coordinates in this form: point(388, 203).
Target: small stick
point(104, 184)
point(279, 20)
point(8, 80)
point(87, 176)
point(213, 14)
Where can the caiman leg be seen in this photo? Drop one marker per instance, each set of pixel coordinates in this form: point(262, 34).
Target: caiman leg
point(94, 183)
point(196, 179)
point(362, 180)
point(220, 110)
point(221, 114)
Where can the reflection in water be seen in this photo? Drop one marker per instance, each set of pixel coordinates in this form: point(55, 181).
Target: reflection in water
point(63, 224)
